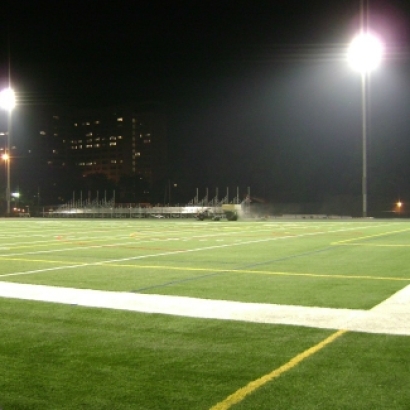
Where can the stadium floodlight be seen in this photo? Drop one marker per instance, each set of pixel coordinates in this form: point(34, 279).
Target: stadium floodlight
point(7, 99)
point(364, 54)
point(8, 102)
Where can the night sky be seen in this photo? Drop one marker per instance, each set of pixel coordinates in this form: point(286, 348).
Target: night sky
point(258, 93)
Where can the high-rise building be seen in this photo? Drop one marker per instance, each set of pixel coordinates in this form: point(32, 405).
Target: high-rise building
point(118, 142)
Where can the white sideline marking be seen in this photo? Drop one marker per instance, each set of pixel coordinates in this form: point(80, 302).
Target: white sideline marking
point(389, 317)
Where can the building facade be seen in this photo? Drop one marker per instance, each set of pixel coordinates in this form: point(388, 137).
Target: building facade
point(121, 143)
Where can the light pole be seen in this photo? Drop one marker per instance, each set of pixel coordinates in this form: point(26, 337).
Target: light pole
point(8, 102)
point(364, 55)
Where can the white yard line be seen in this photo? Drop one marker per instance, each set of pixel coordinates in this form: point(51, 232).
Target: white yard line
point(204, 248)
point(390, 317)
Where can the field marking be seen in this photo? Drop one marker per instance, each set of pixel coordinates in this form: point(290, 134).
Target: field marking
point(373, 245)
point(58, 240)
point(153, 255)
point(360, 238)
point(261, 272)
point(148, 256)
point(5, 258)
point(241, 393)
point(215, 270)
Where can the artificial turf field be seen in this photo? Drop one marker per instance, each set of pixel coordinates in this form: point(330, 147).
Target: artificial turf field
point(55, 356)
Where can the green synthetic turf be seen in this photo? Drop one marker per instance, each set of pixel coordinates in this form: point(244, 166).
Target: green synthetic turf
point(64, 357)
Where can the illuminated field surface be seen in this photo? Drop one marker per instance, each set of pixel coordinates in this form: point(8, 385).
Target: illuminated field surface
point(91, 354)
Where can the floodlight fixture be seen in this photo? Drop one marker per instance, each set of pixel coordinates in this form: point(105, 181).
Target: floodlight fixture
point(365, 52)
point(7, 99)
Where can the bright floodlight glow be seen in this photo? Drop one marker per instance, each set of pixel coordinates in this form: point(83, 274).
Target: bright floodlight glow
point(365, 52)
point(5, 157)
point(7, 99)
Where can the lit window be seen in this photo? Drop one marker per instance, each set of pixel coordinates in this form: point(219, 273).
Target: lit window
point(113, 138)
point(147, 141)
point(42, 133)
point(75, 124)
point(120, 119)
point(89, 146)
point(112, 144)
point(120, 137)
point(96, 145)
point(97, 122)
point(55, 134)
point(89, 134)
point(113, 161)
point(55, 151)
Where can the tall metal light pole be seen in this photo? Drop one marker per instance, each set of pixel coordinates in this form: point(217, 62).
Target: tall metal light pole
point(364, 54)
point(8, 102)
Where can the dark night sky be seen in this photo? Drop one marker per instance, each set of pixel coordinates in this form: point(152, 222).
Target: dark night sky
point(258, 92)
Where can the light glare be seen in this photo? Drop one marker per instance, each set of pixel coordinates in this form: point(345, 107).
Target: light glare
point(365, 52)
point(7, 99)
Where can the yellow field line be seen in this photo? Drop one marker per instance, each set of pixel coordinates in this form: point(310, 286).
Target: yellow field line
point(372, 245)
point(240, 394)
point(58, 242)
point(359, 238)
point(261, 272)
point(37, 260)
point(190, 269)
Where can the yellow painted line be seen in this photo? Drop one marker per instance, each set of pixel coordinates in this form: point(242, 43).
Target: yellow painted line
point(36, 260)
point(190, 269)
point(240, 394)
point(313, 275)
point(61, 241)
point(360, 238)
point(373, 245)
